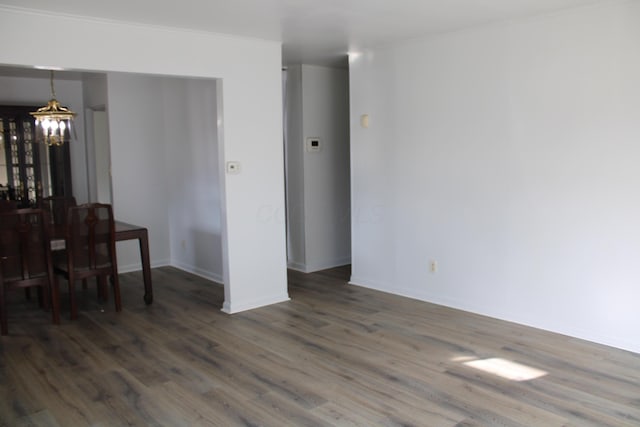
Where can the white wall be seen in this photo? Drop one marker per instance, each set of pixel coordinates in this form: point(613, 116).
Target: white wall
point(325, 106)
point(295, 169)
point(36, 92)
point(318, 182)
point(140, 180)
point(193, 176)
point(509, 154)
point(101, 157)
point(164, 129)
point(249, 130)
point(94, 93)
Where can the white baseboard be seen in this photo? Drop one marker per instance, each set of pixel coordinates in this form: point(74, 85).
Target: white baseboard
point(296, 266)
point(256, 303)
point(215, 277)
point(128, 268)
point(312, 267)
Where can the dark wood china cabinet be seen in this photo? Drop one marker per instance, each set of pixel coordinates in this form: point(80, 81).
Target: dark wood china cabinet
point(30, 170)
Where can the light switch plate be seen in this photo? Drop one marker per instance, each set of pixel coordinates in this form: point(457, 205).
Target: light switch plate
point(233, 168)
point(364, 121)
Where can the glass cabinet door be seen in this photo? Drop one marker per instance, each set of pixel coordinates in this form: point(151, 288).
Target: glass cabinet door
point(29, 170)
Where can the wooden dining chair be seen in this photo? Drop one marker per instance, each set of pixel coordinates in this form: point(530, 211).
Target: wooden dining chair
point(57, 207)
point(8, 205)
point(25, 260)
point(90, 251)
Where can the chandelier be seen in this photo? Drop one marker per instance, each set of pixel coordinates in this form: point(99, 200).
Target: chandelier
point(53, 121)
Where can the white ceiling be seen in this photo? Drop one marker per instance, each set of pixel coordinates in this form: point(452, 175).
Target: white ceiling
point(312, 31)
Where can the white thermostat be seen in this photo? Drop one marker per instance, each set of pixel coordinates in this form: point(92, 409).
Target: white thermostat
point(313, 145)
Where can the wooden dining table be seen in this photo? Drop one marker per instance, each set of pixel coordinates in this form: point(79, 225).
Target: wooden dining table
point(123, 231)
point(126, 231)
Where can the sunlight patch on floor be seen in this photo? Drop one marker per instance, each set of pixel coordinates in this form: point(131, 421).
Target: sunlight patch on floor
point(504, 368)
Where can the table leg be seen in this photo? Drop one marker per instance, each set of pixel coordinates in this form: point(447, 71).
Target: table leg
point(146, 267)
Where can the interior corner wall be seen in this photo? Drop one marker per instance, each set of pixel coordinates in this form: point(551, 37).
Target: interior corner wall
point(189, 194)
point(94, 92)
point(325, 107)
point(193, 185)
point(508, 154)
point(140, 181)
point(318, 187)
point(294, 164)
point(36, 92)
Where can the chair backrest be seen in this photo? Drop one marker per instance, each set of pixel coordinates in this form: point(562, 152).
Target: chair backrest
point(91, 237)
point(8, 205)
point(25, 253)
point(57, 206)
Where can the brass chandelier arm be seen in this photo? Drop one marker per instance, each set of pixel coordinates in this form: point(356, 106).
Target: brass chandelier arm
point(53, 110)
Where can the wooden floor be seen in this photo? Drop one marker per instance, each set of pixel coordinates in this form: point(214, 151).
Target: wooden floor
point(334, 355)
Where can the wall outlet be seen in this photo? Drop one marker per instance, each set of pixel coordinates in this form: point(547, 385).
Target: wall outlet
point(183, 244)
point(433, 266)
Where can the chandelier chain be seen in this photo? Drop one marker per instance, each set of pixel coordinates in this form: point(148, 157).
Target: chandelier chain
point(53, 91)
